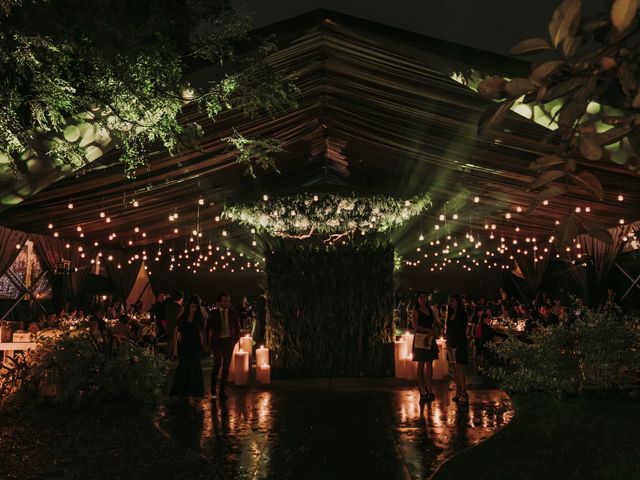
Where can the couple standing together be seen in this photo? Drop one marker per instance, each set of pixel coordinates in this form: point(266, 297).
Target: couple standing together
point(425, 319)
point(221, 330)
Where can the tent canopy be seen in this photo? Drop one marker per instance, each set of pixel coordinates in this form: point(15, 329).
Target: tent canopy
point(377, 112)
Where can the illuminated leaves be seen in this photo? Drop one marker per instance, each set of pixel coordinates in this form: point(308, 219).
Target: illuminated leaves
point(623, 12)
point(530, 45)
point(565, 21)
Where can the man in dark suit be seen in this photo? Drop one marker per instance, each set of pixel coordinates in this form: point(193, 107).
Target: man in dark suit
point(223, 331)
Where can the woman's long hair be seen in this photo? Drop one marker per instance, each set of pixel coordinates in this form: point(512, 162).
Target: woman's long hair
point(197, 315)
point(460, 313)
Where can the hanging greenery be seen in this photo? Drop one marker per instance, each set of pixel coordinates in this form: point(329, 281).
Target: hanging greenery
point(301, 216)
point(330, 309)
point(81, 78)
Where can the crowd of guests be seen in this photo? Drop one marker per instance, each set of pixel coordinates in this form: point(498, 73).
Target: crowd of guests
point(469, 324)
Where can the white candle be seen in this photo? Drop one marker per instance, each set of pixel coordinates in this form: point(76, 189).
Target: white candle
point(408, 338)
point(262, 356)
point(441, 365)
point(232, 364)
point(399, 354)
point(246, 344)
point(242, 367)
point(265, 374)
point(411, 368)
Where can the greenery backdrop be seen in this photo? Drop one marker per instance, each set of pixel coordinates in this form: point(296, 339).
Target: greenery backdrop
point(350, 334)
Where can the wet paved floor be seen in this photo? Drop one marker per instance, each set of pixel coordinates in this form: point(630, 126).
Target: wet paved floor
point(332, 429)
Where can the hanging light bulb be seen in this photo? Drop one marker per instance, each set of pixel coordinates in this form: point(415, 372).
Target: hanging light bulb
point(102, 214)
point(70, 205)
point(135, 203)
point(476, 199)
point(421, 237)
point(455, 216)
point(620, 198)
point(50, 226)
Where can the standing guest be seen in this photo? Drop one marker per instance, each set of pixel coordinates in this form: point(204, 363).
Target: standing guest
point(423, 321)
point(258, 331)
point(456, 334)
point(187, 341)
point(158, 314)
point(246, 314)
point(223, 331)
point(172, 312)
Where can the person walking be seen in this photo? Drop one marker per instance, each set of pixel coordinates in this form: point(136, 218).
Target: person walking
point(456, 335)
point(223, 331)
point(425, 348)
point(188, 381)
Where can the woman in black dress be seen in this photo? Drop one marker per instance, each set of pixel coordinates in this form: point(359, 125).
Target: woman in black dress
point(457, 345)
point(188, 380)
point(424, 320)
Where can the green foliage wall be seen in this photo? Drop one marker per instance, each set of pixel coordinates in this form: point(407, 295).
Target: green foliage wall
point(330, 309)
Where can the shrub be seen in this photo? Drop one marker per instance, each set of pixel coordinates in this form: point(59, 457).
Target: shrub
point(597, 351)
point(74, 371)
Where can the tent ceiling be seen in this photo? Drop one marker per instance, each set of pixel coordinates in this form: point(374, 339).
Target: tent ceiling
point(377, 111)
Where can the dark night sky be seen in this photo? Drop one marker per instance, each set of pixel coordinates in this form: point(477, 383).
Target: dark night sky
point(493, 25)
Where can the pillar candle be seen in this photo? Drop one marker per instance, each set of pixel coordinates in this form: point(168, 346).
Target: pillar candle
point(232, 364)
point(399, 354)
point(246, 344)
point(408, 338)
point(411, 368)
point(262, 356)
point(242, 367)
point(265, 374)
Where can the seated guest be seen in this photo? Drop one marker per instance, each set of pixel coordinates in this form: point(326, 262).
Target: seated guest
point(547, 317)
point(122, 330)
point(52, 320)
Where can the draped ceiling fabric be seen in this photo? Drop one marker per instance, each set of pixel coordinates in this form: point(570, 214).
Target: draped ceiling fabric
point(603, 254)
point(123, 273)
point(376, 111)
point(54, 250)
point(9, 240)
point(533, 267)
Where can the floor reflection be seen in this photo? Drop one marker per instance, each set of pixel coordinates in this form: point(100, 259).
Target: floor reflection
point(380, 432)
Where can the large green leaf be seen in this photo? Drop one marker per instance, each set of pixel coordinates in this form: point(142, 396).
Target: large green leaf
point(565, 21)
point(492, 116)
point(530, 45)
point(546, 177)
point(568, 229)
point(623, 12)
point(542, 71)
point(546, 194)
point(590, 182)
point(518, 87)
point(546, 162)
point(590, 147)
point(492, 87)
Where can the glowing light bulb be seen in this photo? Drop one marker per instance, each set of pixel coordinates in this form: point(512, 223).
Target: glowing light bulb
point(265, 197)
point(50, 226)
point(201, 201)
point(421, 237)
point(620, 198)
point(135, 203)
point(545, 202)
point(578, 209)
point(476, 199)
point(455, 216)
point(441, 218)
point(102, 214)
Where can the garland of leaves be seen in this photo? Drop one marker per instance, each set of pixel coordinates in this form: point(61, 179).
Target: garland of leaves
point(301, 216)
point(349, 335)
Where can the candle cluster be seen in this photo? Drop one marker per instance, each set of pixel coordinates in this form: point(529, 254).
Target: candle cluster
point(240, 367)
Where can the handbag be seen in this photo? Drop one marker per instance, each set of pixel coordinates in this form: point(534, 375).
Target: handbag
point(423, 341)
